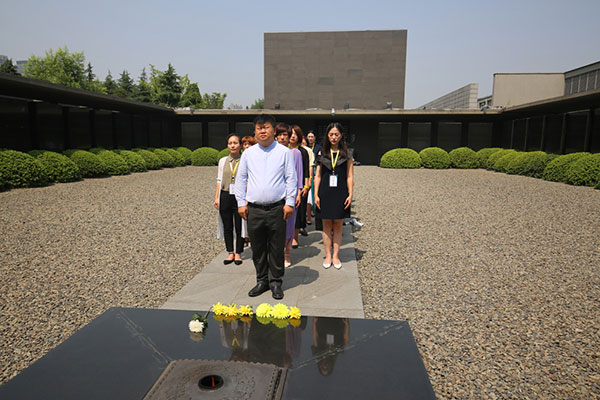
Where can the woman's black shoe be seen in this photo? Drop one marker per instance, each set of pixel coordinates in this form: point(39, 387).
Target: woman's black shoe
point(238, 262)
point(227, 261)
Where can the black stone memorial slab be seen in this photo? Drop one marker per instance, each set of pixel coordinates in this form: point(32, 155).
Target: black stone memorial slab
point(129, 353)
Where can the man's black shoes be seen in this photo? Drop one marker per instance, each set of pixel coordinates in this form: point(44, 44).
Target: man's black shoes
point(259, 289)
point(277, 292)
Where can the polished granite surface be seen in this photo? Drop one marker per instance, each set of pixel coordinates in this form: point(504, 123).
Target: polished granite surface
point(122, 353)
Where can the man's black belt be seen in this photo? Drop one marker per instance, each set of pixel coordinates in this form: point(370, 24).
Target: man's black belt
point(267, 206)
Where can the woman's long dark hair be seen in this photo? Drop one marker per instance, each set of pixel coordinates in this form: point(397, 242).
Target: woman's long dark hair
point(342, 144)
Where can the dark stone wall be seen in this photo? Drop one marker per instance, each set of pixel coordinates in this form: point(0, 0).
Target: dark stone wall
point(328, 69)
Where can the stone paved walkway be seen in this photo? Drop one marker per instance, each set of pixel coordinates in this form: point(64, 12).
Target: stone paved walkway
point(306, 284)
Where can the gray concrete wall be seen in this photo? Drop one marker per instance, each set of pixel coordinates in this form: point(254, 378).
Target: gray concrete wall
point(512, 89)
point(328, 69)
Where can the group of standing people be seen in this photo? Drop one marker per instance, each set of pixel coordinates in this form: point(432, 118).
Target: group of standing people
point(269, 191)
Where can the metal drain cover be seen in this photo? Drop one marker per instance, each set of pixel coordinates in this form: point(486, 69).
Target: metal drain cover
point(207, 379)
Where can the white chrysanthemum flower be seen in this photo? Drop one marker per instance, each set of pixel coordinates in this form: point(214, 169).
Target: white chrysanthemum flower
point(196, 326)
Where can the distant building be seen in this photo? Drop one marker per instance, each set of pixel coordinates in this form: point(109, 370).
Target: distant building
point(345, 69)
point(582, 79)
point(512, 89)
point(464, 98)
point(484, 102)
point(21, 66)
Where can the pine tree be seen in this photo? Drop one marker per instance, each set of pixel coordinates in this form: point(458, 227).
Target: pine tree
point(143, 91)
point(125, 85)
point(109, 84)
point(90, 74)
point(8, 67)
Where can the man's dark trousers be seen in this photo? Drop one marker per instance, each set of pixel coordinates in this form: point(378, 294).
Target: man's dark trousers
point(266, 228)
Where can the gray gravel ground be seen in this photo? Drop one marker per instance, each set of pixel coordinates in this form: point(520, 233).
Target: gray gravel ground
point(497, 274)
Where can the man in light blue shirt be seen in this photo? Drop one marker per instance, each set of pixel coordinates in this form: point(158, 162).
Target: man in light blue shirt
point(265, 190)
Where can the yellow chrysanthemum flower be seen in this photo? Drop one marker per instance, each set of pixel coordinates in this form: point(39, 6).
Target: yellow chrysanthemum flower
point(219, 309)
point(232, 310)
point(230, 318)
point(280, 323)
point(264, 320)
point(245, 311)
point(280, 311)
point(264, 310)
point(294, 322)
point(295, 312)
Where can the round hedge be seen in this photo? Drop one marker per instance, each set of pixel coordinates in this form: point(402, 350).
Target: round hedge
point(134, 161)
point(89, 164)
point(400, 158)
point(19, 169)
point(35, 153)
point(482, 156)
point(152, 161)
point(503, 162)
point(223, 153)
point(115, 165)
point(434, 157)
point(186, 153)
point(556, 170)
point(96, 150)
point(530, 163)
point(58, 167)
point(165, 159)
point(463, 157)
point(585, 171)
point(178, 158)
point(496, 156)
point(205, 156)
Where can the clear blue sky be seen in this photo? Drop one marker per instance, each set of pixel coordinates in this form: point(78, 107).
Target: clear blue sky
point(220, 44)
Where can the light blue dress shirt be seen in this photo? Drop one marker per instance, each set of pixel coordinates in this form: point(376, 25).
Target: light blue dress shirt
point(266, 175)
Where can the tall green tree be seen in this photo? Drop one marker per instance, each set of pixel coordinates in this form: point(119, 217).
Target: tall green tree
point(166, 89)
point(143, 91)
point(191, 96)
point(125, 86)
point(213, 101)
point(9, 68)
point(110, 86)
point(60, 67)
point(259, 104)
point(90, 73)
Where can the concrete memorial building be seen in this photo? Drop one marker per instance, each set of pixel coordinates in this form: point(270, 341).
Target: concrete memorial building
point(343, 69)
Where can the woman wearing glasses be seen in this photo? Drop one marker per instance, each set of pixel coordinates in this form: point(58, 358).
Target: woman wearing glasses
point(334, 183)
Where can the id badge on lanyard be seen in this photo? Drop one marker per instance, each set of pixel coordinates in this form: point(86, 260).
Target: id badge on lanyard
point(333, 178)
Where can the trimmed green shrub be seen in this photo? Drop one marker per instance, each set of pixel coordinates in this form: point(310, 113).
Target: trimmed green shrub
point(178, 158)
point(89, 164)
point(134, 161)
point(463, 157)
point(400, 158)
point(556, 170)
point(482, 156)
point(19, 169)
point(35, 153)
point(152, 161)
point(115, 165)
point(223, 153)
point(531, 163)
point(496, 156)
point(165, 159)
point(205, 156)
point(69, 152)
point(585, 171)
point(186, 153)
point(58, 167)
point(434, 157)
point(96, 150)
point(503, 162)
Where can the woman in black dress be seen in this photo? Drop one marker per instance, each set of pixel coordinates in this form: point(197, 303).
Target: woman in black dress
point(334, 183)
